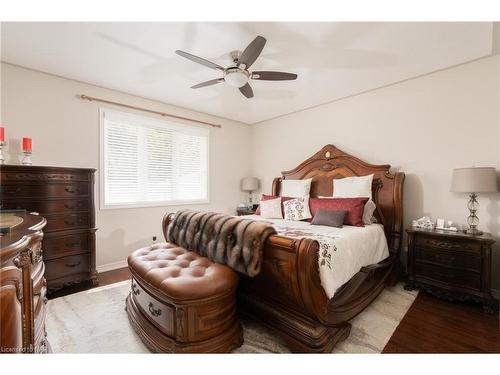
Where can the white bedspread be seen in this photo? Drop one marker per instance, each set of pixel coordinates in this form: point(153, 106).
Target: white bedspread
point(343, 251)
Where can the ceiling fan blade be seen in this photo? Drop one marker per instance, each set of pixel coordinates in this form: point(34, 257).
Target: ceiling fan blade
point(199, 60)
point(252, 51)
point(247, 91)
point(208, 83)
point(273, 76)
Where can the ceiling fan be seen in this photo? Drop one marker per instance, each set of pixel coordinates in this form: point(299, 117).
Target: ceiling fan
point(237, 74)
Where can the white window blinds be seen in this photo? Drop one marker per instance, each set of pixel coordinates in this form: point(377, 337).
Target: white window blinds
point(147, 162)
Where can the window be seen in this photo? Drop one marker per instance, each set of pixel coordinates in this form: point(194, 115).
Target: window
point(150, 162)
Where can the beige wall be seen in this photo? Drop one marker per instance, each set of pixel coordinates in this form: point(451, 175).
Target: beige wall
point(425, 127)
point(65, 132)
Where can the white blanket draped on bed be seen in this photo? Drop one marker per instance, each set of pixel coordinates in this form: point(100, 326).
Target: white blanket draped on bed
point(343, 251)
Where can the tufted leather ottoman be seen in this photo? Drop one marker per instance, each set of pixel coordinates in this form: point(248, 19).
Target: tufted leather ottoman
point(182, 302)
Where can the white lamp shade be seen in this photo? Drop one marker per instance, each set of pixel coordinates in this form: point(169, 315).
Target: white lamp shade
point(249, 183)
point(474, 180)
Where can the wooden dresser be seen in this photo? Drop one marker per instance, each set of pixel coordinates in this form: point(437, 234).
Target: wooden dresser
point(65, 197)
point(451, 265)
point(22, 285)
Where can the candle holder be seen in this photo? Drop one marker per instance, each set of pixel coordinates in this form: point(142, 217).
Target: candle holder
point(27, 159)
point(2, 159)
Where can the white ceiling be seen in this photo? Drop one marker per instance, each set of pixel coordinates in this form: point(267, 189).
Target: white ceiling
point(332, 60)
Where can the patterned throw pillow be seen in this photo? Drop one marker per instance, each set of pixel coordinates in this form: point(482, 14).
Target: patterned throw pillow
point(297, 209)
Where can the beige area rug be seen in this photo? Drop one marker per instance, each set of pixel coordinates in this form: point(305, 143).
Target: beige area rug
point(95, 321)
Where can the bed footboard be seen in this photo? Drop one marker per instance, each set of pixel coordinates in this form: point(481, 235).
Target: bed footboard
point(287, 295)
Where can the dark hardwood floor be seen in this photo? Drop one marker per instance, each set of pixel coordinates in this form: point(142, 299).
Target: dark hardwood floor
point(430, 325)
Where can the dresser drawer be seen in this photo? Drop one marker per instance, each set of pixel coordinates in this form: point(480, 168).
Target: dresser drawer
point(42, 191)
point(48, 206)
point(65, 245)
point(43, 175)
point(455, 259)
point(158, 313)
point(460, 278)
point(67, 266)
point(69, 221)
point(448, 244)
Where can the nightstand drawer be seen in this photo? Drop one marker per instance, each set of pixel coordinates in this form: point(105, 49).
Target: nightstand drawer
point(444, 275)
point(447, 244)
point(455, 259)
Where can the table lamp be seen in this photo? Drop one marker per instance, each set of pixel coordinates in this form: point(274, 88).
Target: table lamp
point(249, 184)
point(472, 181)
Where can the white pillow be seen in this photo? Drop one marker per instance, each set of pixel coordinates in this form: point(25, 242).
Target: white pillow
point(353, 187)
point(297, 209)
point(295, 188)
point(271, 209)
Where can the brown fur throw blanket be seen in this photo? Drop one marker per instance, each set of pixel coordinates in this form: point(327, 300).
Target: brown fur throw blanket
point(225, 239)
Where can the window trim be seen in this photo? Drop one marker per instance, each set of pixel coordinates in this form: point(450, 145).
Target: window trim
point(104, 206)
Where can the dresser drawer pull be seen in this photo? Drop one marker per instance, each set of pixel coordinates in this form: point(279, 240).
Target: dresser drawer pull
point(153, 311)
point(73, 245)
point(71, 189)
point(73, 265)
point(135, 290)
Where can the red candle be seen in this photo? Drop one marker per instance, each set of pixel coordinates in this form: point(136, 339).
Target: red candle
point(27, 144)
point(2, 134)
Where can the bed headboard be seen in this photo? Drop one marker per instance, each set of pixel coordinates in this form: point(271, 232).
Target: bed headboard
point(330, 163)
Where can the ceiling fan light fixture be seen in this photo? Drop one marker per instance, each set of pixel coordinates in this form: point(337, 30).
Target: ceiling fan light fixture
point(236, 77)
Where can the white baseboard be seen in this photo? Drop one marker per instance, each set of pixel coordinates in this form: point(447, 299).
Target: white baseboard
point(112, 266)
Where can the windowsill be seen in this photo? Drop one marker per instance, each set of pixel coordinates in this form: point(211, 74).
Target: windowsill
point(153, 204)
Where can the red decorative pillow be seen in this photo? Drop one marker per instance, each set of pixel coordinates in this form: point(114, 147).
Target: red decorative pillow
point(268, 197)
point(354, 208)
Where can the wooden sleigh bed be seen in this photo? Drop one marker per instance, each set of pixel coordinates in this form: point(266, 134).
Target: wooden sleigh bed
point(287, 295)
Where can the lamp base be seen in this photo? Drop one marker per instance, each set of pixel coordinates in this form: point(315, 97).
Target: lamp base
point(474, 231)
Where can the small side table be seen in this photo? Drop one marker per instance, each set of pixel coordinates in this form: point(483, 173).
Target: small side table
point(242, 211)
point(451, 265)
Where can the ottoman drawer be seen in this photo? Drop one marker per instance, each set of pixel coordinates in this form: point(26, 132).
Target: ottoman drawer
point(157, 312)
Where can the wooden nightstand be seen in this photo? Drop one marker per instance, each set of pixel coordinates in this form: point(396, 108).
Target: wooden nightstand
point(451, 265)
point(241, 211)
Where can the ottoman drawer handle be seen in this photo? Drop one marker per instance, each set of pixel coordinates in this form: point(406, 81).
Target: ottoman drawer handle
point(153, 311)
point(135, 289)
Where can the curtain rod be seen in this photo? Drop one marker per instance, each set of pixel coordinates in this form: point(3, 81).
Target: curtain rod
point(92, 99)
